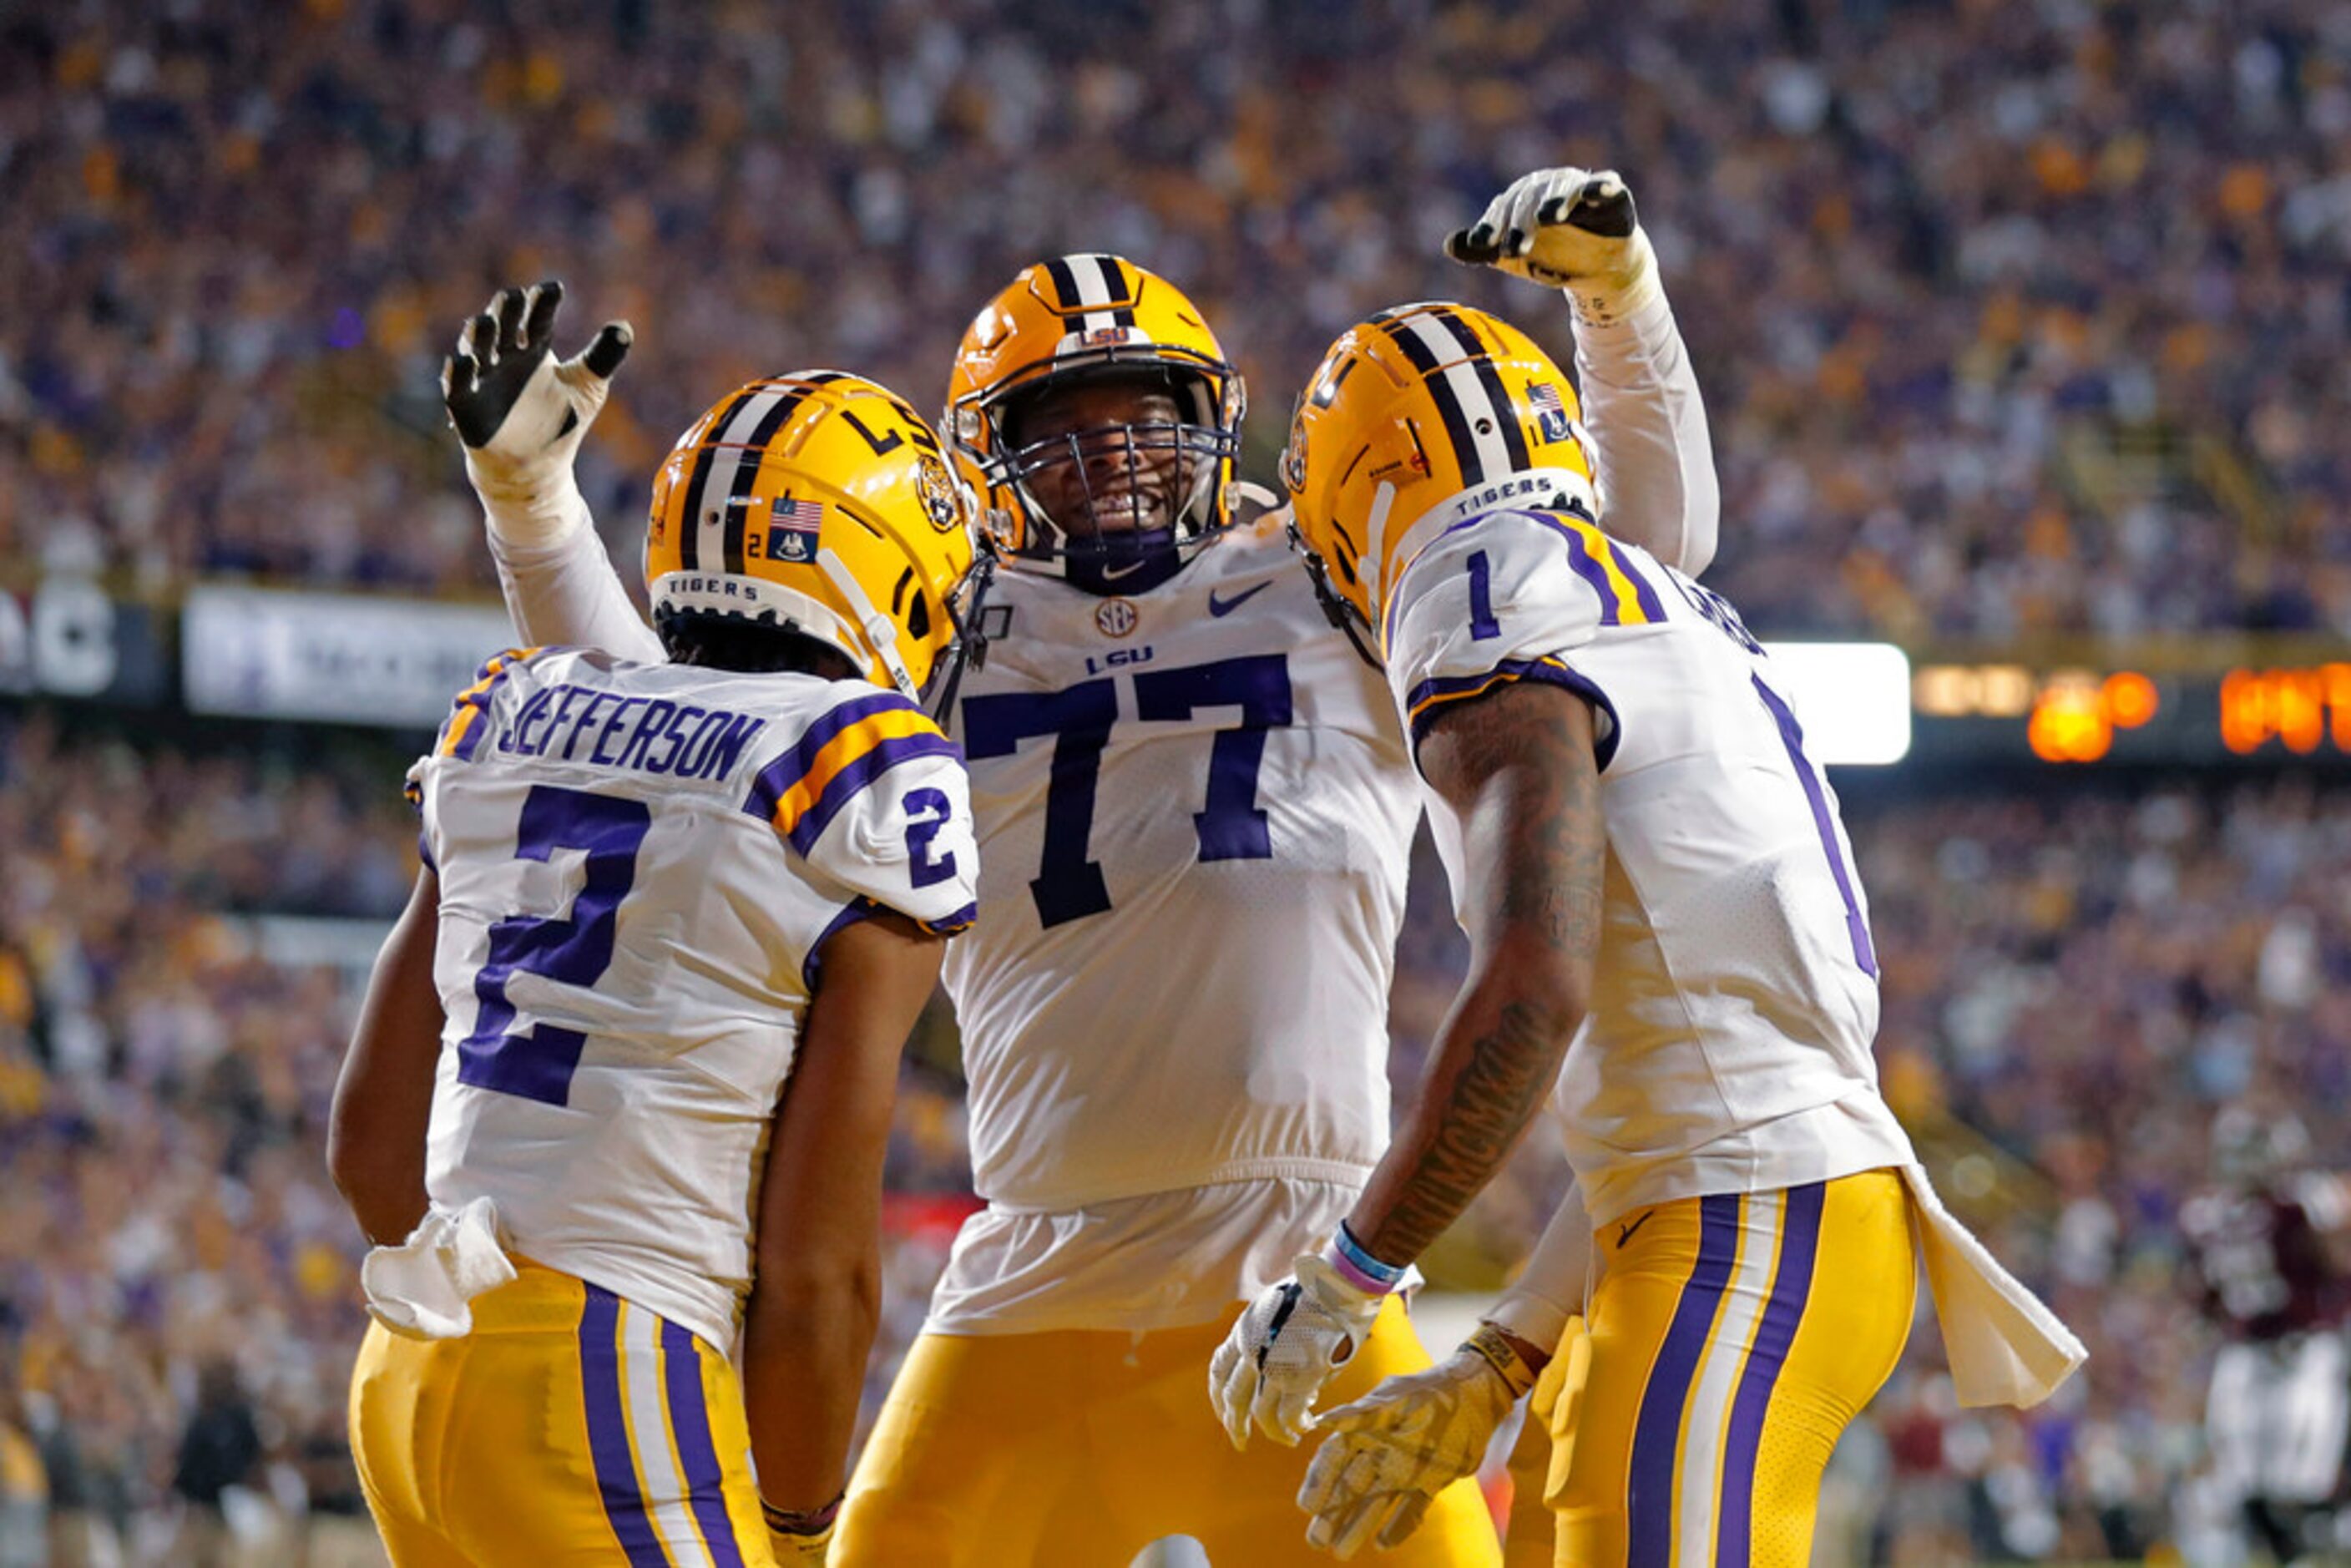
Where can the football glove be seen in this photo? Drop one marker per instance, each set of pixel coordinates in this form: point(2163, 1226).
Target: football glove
point(522, 413)
point(1284, 1347)
point(1568, 228)
point(1391, 1452)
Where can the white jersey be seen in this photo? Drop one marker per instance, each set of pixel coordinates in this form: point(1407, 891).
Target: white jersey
point(1196, 818)
point(1728, 1046)
point(640, 865)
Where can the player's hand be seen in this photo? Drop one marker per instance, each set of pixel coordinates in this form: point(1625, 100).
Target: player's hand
point(1391, 1452)
point(1567, 229)
point(520, 411)
point(1283, 1349)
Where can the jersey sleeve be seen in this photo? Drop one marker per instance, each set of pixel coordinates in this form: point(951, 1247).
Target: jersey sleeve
point(876, 797)
point(1652, 454)
point(460, 735)
point(1510, 596)
point(569, 592)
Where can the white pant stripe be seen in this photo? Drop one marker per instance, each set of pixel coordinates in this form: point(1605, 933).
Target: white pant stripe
point(641, 1390)
point(1709, 1412)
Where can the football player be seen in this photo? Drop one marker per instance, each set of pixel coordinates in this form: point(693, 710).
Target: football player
point(2265, 1240)
point(623, 1081)
point(1659, 896)
point(1197, 808)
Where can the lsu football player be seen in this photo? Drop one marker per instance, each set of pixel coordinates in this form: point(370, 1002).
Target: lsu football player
point(622, 1082)
point(1195, 809)
point(1669, 936)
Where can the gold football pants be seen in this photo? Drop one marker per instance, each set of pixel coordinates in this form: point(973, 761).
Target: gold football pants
point(1731, 1339)
point(1077, 1450)
point(572, 1427)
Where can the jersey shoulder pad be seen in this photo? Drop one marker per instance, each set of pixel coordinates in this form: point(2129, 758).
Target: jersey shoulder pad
point(1507, 596)
point(871, 793)
point(462, 731)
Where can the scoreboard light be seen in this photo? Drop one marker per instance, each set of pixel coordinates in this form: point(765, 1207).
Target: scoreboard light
point(2077, 715)
point(2303, 709)
point(1853, 698)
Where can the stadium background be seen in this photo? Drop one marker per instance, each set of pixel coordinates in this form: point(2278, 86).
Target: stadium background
point(2022, 325)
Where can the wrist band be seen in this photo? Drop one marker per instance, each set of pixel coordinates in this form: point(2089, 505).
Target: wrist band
point(1494, 1348)
point(1359, 1267)
point(800, 1522)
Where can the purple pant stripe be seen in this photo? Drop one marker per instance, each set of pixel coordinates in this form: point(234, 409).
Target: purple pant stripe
point(1800, 1239)
point(608, 1432)
point(1658, 1431)
point(689, 1420)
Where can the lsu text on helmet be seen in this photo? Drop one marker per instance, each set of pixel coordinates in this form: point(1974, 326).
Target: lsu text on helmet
point(820, 503)
point(1418, 418)
point(1081, 321)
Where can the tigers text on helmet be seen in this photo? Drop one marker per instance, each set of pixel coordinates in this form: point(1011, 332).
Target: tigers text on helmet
point(1417, 419)
point(820, 503)
point(1083, 321)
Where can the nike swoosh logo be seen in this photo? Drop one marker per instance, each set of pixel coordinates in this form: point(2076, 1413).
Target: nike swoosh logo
point(1112, 573)
point(1218, 606)
point(1625, 1232)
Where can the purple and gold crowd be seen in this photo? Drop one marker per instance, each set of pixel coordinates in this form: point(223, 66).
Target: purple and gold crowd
point(2012, 317)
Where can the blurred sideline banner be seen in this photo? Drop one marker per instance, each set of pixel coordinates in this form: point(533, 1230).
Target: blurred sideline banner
point(266, 653)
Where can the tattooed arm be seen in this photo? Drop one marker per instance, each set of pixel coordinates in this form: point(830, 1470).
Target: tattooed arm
point(1518, 769)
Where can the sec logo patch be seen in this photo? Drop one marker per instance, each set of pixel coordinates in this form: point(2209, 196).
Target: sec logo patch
point(1117, 617)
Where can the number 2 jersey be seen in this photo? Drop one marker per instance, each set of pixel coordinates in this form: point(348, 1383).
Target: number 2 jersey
point(639, 867)
point(1728, 1046)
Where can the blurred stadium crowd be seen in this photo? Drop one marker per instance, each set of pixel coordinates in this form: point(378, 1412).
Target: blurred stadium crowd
point(2026, 314)
point(2013, 318)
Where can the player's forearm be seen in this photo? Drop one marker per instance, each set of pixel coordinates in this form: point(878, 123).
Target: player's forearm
point(1550, 1289)
point(806, 1338)
point(1495, 1063)
point(1652, 447)
point(383, 1097)
point(566, 592)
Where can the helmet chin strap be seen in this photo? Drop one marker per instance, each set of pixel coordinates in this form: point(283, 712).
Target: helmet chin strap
point(881, 633)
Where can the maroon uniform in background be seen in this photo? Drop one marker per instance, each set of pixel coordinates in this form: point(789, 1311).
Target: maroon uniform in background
point(2280, 1408)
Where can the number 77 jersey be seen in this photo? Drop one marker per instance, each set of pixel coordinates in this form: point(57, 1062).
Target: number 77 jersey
point(1728, 1045)
point(1195, 816)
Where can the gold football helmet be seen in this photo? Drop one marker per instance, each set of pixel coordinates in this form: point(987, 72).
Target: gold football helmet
point(1416, 418)
point(1075, 320)
point(821, 503)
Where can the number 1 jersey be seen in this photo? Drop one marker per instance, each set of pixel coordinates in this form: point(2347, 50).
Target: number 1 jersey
point(640, 865)
point(1728, 1047)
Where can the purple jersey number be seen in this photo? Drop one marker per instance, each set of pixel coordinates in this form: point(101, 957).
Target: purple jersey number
point(537, 1062)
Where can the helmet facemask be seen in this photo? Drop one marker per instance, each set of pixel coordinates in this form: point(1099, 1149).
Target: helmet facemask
point(1112, 493)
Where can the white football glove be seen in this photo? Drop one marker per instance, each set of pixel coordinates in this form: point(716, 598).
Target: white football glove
point(522, 413)
point(1283, 1349)
point(1568, 228)
point(1392, 1451)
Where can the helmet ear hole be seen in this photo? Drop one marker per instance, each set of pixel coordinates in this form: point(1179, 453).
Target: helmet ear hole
point(918, 619)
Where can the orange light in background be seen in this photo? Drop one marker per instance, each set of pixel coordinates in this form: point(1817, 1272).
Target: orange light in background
point(2299, 707)
point(2130, 699)
point(2077, 715)
point(2069, 722)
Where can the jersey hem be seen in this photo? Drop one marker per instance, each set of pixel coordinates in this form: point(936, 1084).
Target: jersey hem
point(1704, 1174)
point(1344, 1171)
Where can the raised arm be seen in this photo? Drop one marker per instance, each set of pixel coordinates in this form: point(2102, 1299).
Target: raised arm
point(1654, 456)
point(522, 413)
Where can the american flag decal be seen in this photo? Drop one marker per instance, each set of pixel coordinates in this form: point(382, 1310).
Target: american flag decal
point(1551, 411)
point(792, 528)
